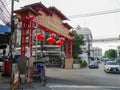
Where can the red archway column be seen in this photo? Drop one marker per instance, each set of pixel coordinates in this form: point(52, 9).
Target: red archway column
point(26, 36)
point(71, 49)
point(23, 39)
point(30, 36)
point(69, 59)
point(66, 51)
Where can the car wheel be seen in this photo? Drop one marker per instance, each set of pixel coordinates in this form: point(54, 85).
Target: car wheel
point(106, 71)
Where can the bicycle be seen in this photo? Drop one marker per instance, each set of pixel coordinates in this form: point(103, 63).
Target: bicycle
point(43, 78)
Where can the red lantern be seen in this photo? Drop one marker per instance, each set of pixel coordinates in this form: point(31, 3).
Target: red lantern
point(59, 43)
point(50, 40)
point(39, 37)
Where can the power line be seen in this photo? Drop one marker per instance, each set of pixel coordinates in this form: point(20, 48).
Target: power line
point(4, 12)
point(95, 13)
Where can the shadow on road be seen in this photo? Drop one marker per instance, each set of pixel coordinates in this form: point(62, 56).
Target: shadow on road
point(51, 80)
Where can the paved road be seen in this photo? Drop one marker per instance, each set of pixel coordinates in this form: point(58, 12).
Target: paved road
point(86, 76)
point(75, 79)
point(82, 78)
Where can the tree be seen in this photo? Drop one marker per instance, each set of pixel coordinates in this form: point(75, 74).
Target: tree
point(111, 53)
point(76, 45)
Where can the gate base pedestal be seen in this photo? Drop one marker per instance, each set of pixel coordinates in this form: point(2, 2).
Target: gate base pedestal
point(69, 63)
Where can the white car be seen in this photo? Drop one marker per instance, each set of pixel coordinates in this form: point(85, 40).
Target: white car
point(111, 66)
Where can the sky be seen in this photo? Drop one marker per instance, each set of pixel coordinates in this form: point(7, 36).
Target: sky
point(101, 26)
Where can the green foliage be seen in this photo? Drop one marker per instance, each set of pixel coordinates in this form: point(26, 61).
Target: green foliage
point(75, 61)
point(61, 62)
point(111, 53)
point(83, 63)
point(76, 45)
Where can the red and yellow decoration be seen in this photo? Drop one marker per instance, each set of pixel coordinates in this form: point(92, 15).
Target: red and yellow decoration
point(50, 40)
point(60, 41)
point(39, 37)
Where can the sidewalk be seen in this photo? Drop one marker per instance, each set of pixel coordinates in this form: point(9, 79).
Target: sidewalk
point(4, 83)
point(34, 86)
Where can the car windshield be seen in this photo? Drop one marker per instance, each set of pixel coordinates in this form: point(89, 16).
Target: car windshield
point(112, 63)
point(94, 62)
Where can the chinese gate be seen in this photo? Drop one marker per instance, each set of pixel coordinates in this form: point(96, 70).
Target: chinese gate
point(48, 19)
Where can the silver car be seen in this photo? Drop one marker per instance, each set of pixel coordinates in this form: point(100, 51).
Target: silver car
point(111, 66)
point(93, 64)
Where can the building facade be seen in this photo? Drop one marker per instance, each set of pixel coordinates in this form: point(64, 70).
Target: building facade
point(87, 54)
point(97, 53)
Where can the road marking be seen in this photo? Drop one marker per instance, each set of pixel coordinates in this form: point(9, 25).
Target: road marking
point(75, 86)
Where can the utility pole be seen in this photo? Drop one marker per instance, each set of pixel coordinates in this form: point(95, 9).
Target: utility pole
point(11, 34)
point(88, 40)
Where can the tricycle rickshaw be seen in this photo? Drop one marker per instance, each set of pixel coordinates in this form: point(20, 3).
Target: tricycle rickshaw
point(39, 72)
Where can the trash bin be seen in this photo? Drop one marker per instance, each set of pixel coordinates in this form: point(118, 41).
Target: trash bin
point(7, 66)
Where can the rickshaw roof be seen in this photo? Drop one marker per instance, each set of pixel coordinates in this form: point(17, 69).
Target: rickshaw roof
point(38, 61)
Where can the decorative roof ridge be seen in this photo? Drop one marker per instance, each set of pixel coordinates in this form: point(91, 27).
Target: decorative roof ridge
point(58, 12)
point(30, 8)
point(39, 4)
point(68, 25)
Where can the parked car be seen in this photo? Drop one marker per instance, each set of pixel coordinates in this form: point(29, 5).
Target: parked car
point(117, 59)
point(93, 64)
point(111, 66)
point(1, 66)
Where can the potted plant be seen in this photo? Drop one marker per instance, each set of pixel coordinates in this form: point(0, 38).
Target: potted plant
point(77, 63)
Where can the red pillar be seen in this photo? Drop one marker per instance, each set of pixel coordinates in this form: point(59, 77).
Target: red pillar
point(71, 49)
point(26, 35)
point(23, 39)
point(29, 38)
point(31, 28)
point(67, 54)
point(29, 41)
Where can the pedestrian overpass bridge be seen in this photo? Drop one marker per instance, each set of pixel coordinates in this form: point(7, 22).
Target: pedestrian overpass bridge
point(113, 39)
